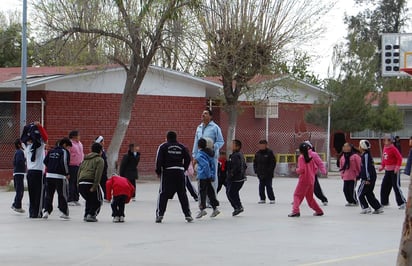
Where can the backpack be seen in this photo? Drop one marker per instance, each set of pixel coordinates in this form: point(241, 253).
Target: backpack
point(31, 132)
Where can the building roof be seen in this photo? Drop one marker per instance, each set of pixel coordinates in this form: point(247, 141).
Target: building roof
point(398, 98)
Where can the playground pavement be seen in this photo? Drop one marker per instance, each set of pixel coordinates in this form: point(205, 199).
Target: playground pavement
point(262, 235)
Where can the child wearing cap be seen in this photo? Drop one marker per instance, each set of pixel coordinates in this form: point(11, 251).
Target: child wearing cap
point(391, 163)
point(367, 176)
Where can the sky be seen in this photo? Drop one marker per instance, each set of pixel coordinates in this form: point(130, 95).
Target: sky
point(321, 49)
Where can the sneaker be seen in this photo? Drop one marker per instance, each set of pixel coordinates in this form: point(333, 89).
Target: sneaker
point(366, 211)
point(65, 216)
point(133, 199)
point(121, 219)
point(402, 206)
point(272, 202)
point(237, 211)
point(350, 204)
point(294, 214)
point(116, 219)
point(318, 214)
point(189, 219)
point(200, 214)
point(45, 215)
point(378, 211)
point(196, 199)
point(159, 219)
point(215, 213)
point(91, 218)
point(71, 203)
point(261, 201)
point(19, 210)
point(325, 203)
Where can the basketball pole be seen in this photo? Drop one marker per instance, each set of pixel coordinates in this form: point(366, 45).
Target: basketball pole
point(328, 134)
point(23, 92)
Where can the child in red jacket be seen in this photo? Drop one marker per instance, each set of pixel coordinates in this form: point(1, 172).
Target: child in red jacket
point(122, 191)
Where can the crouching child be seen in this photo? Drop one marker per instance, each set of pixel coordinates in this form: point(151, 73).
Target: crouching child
point(121, 190)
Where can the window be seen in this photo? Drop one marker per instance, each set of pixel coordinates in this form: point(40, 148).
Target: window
point(267, 108)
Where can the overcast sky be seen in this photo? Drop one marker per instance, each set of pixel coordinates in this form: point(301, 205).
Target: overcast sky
point(321, 49)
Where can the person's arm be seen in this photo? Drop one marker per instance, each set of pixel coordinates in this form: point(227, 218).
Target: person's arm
point(255, 167)
point(159, 161)
point(318, 161)
point(367, 174)
point(383, 162)
point(186, 158)
point(42, 131)
point(399, 158)
point(301, 166)
point(109, 184)
point(273, 161)
point(408, 164)
point(219, 139)
point(357, 160)
point(195, 148)
point(66, 161)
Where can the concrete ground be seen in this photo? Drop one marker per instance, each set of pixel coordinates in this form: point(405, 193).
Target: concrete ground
point(262, 235)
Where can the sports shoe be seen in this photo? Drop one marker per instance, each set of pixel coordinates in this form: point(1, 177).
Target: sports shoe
point(215, 213)
point(325, 203)
point(121, 219)
point(189, 219)
point(200, 214)
point(116, 219)
point(366, 211)
point(402, 206)
point(91, 218)
point(237, 211)
point(71, 203)
point(261, 201)
point(378, 211)
point(159, 219)
point(19, 210)
point(45, 215)
point(294, 214)
point(65, 216)
point(318, 214)
point(350, 204)
point(272, 202)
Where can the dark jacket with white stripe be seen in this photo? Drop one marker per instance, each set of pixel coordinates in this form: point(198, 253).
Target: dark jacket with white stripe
point(19, 163)
point(367, 170)
point(57, 162)
point(172, 155)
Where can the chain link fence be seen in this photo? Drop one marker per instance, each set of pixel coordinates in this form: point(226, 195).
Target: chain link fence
point(10, 126)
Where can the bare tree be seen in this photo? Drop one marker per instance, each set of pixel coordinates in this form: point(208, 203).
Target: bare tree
point(133, 32)
point(244, 37)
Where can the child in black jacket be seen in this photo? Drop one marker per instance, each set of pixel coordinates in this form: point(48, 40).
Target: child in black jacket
point(236, 168)
point(19, 171)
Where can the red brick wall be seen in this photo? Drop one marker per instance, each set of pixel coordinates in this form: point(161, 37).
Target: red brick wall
point(96, 114)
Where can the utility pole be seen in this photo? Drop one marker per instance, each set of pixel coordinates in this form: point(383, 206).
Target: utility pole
point(23, 92)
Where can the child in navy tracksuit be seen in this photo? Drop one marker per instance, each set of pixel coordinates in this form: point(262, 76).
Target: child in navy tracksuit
point(57, 162)
point(206, 176)
point(19, 171)
point(367, 176)
point(122, 191)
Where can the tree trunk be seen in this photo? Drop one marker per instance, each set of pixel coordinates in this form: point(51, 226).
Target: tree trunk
point(405, 247)
point(231, 129)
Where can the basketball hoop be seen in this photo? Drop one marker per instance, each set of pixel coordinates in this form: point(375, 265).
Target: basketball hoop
point(407, 70)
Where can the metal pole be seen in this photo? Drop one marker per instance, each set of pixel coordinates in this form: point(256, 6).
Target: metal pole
point(267, 120)
point(328, 136)
point(23, 92)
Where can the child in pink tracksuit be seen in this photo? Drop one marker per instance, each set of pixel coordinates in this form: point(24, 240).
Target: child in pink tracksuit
point(307, 168)
point(350, 165)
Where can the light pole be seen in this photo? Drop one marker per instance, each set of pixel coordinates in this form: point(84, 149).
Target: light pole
point(23, 92)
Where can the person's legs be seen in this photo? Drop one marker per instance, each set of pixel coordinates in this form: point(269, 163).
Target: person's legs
point(400, 199)
point(35, 186)
point(202, 193)
point(298, 195)
point(133, 182)
point(181, 193)
point(115, 206)
point(318, 191)
point(18, 181)
point(48, 199)
point(262, 185)
point(363, 190)
point(386, 187)
point(190, 188)
point(73, 189)
point(61, 187)
point(269, 188)
point(211, 194)
point(229, 188)
point(370, 196)
point(103, 186)
point(164, 193)
point(121, 204)
point(84, 190)
point(312, 202)
point(234, 194)
point(349, 191)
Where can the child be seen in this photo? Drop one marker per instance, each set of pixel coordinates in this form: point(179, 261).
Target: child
point(122, 191)
point(206, 176)
point(368, 178)
point(19, 171)
point(349, 164)
point(264, 166)
point(128, 166)
point(236, 168)
point(57, 162)
point(306, 169)
point(317, 189)
point(391, 163)
point(89, 175)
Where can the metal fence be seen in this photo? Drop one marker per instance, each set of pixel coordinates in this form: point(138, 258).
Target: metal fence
point(10, 126)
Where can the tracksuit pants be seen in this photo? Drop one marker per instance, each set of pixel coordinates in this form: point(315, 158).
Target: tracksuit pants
point(266, 183)
point(349, 191)
point(59, 185)
point(206, 189)
point(103, 186)
point(305, 190)
point(73, 189)
point(191, 188)
point(133, 182)
point(318, 191)
point(365, 194)
point(18, 181)
point(232, 193)
point(172, 181)
point(93, 199)
point(391, 180)
point(35, 189)
point(118, 205)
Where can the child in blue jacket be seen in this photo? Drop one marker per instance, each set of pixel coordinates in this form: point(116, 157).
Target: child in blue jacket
point(205, 174)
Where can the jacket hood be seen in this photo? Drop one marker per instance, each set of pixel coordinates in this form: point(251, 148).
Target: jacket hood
point(209, 152)
point(91, 156)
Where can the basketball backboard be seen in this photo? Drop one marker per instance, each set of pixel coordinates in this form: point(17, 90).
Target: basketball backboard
point(396, 54)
